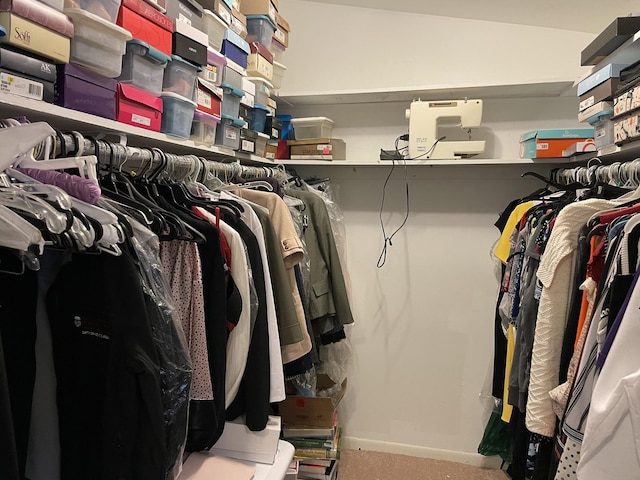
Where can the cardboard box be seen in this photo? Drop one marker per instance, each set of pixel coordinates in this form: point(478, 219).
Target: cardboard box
point(39, 13)
point(580, 147)
point(143, 28)
point(312, 411)
point(189, 49)
point(611, 38)
point(260, 7)
point(270, 153)
point(605, 73)
point(35, 38)
point(551, 143)
point(21, 63)
point(187, 11)
point(260, 62)
point(26, 86)
point(318, 149)
point(237, 441)
point(239, 23)
point(220, 8)
point(150, 13)
point(208, 97)
point(605, 91)
point(595, 111)
point(86, 91)
point(191, 32)
point(282, 31)
point(138, 108)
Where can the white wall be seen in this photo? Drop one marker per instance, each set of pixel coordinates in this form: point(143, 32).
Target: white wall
point(341, 48)
point(423, 338)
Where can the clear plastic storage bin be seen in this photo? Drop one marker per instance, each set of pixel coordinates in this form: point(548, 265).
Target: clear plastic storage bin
point(258, 117)
point(177, 115)
point(263, 89)
point(180, 77)
point(278, 73)
point(215, 28)
point(231, 97)
point(105, 9)
point(97, 44)
point(203, 128)
point(312, 127)
point(57, 4)
point(277, 49)
point(261, 143)
point(143, 66)
point(228, 132)
point(231, 77)
point(260, 29)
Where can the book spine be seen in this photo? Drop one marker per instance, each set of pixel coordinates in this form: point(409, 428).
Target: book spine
point(311, 442)
point(317, 453)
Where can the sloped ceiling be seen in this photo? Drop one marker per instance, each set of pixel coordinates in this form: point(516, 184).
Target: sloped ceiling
point(583, 16)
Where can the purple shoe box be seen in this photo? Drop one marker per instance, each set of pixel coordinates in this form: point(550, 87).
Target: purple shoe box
point(85, 91)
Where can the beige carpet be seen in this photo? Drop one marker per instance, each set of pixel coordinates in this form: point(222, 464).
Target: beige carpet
point(365, 465)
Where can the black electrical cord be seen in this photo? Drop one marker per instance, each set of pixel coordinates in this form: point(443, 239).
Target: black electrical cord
point(388, 241)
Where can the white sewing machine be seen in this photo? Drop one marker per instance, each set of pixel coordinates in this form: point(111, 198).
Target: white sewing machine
point(423, 128)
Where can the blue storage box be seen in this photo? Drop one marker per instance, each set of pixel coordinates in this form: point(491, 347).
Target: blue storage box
point(258, 117)
point(143, 67)
point(287, 129)
point(235, 48)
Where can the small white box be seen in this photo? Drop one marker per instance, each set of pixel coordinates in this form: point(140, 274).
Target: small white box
point(237, 441)
point(312, 127)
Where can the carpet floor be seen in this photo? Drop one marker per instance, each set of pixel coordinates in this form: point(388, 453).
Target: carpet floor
point(366, 465)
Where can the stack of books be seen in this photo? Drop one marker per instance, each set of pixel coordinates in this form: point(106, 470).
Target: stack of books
point(317, 450)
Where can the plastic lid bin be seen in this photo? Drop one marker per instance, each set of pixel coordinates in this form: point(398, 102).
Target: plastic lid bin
point(180, 77)
point(258, 117)
point(104, 9)
point(231, 97)
point(143, 66)
point(177, 115)
point(228, 132)
point(312, 127)
point(203, 128)
point(215, 28)
point(260, 28)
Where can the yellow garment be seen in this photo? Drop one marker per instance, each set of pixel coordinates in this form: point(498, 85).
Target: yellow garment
point(504, 245)
point(511, 346)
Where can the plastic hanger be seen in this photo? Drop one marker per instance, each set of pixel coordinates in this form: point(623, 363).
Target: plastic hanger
point(18, 142)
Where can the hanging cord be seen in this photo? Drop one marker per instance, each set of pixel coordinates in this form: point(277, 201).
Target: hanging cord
point(388, 241)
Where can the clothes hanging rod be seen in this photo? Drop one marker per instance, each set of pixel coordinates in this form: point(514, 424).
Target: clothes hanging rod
point(66, 144)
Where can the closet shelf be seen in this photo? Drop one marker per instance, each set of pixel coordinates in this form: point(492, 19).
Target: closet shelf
point(435, 163)
point(67, 120)
point(435, 92)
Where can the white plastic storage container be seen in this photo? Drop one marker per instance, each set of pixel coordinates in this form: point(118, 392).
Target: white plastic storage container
point(180, 77)
point(177, 115)
point(215, 28)
point(277, 49)
point(105, 9)
point(57, 4)
point(97, 44)
point(261, 143)
point(260, 28)
point(278, 73)
point(228, 132)
point(203, 129)
point(143, 67)
point(263, 89)
point(312, 127)
point(215, 67)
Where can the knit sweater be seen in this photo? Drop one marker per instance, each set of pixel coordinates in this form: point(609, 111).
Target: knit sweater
point(555, 275)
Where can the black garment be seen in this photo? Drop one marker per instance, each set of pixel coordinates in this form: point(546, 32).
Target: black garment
point(304, 363)
point(109, 396)
point(520, 441)
point(499, 348)
point(206, 419)
point(9, 463)
point(18, 301)
point(252, 398)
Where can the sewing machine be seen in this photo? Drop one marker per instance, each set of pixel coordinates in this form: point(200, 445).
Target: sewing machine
point(423, 128)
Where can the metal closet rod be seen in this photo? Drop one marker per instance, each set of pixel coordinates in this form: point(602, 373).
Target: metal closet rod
point(66, 144)
point(617, 173)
